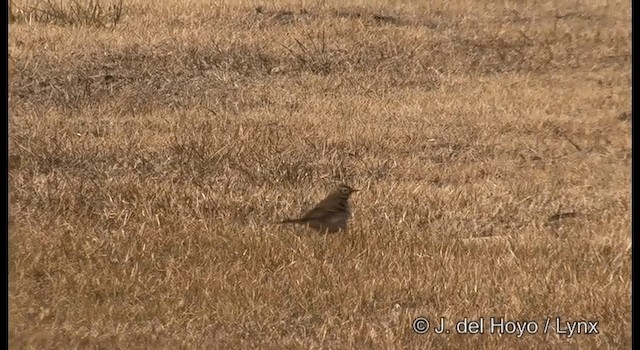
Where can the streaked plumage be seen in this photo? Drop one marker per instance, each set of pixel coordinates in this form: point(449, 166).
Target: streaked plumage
point(331, 214)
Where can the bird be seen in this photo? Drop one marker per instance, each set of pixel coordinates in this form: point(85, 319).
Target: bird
point(331, 214)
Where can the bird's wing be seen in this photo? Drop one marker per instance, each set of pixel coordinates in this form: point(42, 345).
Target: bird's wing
point(323, 208)
point(319, 212)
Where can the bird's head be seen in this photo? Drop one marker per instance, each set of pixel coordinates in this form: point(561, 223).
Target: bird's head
point(345, 190)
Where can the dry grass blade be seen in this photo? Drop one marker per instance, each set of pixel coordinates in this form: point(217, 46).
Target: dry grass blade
point(561, 216)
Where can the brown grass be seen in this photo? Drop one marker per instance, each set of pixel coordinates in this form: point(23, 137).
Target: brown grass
point(150, 155)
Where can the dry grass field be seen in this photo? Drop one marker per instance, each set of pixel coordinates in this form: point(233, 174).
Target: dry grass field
point(153, 145)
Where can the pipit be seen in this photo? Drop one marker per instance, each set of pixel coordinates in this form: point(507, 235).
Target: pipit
point(331, 214)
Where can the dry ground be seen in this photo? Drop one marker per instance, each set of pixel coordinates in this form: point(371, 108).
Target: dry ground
point(149, 159)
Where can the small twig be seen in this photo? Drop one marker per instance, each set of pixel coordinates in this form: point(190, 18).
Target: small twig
point(572, 143)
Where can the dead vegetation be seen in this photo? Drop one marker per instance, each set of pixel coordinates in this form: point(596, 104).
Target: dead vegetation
point(153, 146)
point(95, 13)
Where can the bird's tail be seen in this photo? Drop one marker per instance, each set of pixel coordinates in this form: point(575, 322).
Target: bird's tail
point(289, 221)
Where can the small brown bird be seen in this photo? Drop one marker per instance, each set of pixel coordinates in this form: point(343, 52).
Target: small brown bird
point(331, 214)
